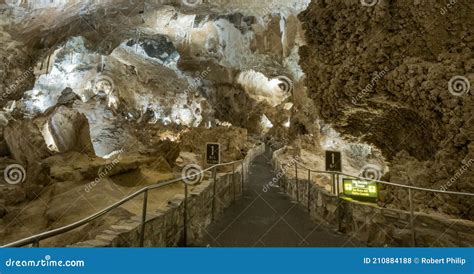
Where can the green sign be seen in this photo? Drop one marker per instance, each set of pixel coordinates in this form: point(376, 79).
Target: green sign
point(360, 188)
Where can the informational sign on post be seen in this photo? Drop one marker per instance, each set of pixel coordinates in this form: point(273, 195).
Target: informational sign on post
point(356, 188)
point(333, 161)
point(213, 153)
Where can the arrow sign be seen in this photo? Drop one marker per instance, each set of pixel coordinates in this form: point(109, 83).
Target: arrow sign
point(333, 161)
point(213, 153)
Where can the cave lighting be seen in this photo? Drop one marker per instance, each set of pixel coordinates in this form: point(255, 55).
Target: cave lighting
point(69, 67)
point(288, 106)
point(265, 122)
point(40, 101)
point(166, 121)
point(183, 116)
point(169, 135)
point(112, 101)
point(329, 144)
point(48, 138)
point(261, 88)
point(113, 153)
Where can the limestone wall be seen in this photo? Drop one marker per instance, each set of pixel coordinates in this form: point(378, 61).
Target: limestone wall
point(372, 225)
point(165, 228)
point(384, 74)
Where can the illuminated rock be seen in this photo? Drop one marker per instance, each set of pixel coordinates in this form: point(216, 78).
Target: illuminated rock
point(69, 131)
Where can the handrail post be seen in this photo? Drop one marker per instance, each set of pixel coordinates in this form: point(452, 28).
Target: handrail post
point(185, 213)
point(309, 190)
point(142, 228)
point(233, 180)
point(297, 184)
point(340, 214)
point(36, 243)
point(334, 191)
point(340, 211)
point(412, 217)
point(243, 179)
point(214, 193)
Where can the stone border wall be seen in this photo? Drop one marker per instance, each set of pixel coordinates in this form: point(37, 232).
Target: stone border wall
point(372, 225)
point(165, 228)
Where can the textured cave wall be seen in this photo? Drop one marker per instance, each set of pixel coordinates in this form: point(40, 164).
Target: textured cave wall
point(149, 76)
point(215, 42)
point(32, 30)
point(380, 74)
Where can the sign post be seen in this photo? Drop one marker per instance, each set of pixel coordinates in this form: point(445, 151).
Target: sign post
point(334, 164)
point(213, 156)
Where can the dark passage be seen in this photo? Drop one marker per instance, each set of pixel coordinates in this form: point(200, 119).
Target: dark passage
point(268, 218)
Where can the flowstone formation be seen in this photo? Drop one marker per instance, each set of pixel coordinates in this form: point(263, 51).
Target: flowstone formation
point(396, 74)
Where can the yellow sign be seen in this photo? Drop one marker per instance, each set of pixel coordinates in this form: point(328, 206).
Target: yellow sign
point(360, 188)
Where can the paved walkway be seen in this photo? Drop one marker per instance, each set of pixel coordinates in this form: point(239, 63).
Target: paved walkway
point(268, 218)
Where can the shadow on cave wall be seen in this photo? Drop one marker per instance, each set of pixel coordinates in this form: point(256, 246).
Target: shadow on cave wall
point(395, 130)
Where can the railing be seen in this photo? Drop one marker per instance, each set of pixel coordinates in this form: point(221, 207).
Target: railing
point(34, 240)
point(335, 189)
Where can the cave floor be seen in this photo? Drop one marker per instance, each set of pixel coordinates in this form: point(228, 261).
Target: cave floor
point(269, 218)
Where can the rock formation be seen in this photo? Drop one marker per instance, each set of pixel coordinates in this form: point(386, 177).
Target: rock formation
point(101, 98)
point(384, 74)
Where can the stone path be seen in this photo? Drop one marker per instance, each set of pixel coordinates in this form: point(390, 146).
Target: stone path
point(268, 218)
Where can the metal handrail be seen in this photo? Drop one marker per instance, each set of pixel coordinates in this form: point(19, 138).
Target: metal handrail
point(388, 183)
point(35, 239)
point(336, 191)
